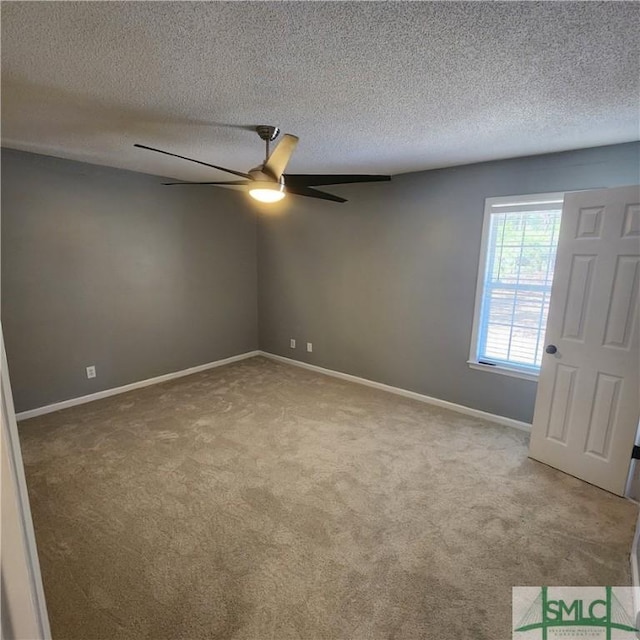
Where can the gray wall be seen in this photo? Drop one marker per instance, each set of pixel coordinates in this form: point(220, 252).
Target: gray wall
point(107, 267)
point(384, 285)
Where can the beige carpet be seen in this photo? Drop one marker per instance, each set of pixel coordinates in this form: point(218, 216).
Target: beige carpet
point(262, 501)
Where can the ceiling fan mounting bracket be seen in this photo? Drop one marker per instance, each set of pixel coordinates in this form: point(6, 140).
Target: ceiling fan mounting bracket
point(267, 132)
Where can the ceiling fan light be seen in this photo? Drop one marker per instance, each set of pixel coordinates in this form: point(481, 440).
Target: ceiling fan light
point(267, 191)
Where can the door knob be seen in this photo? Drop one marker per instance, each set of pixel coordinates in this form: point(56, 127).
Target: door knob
point(551, 348)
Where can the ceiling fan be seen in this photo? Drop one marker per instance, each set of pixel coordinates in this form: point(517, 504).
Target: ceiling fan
point(267, 182)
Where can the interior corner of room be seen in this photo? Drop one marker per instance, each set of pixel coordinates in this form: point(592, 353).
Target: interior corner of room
point(103, 269)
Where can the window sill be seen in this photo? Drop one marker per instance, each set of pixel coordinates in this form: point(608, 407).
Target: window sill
point(504, 371)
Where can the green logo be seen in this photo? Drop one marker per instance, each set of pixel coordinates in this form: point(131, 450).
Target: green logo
point(601, 614)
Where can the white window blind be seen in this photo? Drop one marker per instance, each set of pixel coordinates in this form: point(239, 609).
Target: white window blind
point(520, 250)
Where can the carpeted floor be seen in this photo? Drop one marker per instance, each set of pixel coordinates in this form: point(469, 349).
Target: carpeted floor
point(262, 501)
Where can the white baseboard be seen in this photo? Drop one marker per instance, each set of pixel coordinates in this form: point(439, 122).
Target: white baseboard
point(72, 402)
point(476, 413)
point(106, 393)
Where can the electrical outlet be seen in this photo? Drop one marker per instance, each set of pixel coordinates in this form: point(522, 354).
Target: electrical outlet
point(309, 347)
point(91, 371)
point(292, 343)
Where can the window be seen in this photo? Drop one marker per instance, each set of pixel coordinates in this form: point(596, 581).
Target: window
point(519, 241)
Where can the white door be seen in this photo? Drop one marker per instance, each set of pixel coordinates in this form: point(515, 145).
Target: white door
point(587, 405)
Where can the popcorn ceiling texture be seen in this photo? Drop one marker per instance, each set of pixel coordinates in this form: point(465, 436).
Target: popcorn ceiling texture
point(375, 87)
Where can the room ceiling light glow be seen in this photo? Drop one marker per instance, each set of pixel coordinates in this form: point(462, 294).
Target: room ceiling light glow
point(267, 191)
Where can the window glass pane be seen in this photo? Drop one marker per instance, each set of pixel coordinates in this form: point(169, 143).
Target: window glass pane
point(527, 308)
point(518, 278)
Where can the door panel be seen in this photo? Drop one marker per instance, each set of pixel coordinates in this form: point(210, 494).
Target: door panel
point(561, 403)
point(605, 408)
point(624, 303)
point(577, 306)
point(587, 405)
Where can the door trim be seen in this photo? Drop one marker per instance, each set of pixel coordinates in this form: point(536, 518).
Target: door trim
point(24, 605)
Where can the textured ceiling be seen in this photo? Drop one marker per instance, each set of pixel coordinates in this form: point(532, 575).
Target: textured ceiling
point(384, 87)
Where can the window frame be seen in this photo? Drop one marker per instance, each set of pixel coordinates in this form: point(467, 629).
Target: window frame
point(519, 203)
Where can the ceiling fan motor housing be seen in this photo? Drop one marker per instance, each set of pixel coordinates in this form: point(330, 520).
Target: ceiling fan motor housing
point(257, 173)
point(267, 132)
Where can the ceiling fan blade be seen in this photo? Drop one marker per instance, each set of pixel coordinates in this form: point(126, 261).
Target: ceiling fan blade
point(277, 162)
point(206, 164)
point(310, 180)
point(311, 193)
point(233, 182)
